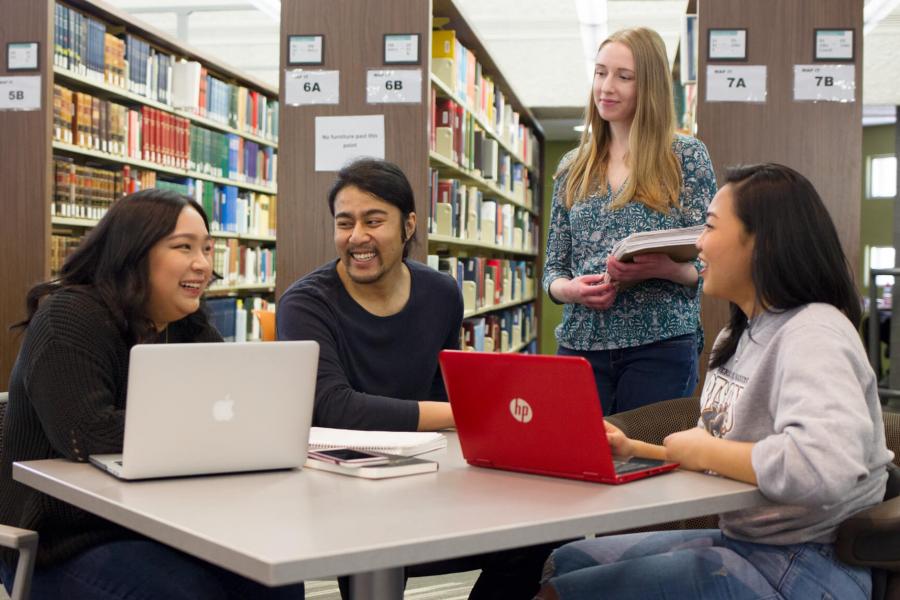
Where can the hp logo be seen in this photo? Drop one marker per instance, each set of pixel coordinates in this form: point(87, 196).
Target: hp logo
point(521, 410)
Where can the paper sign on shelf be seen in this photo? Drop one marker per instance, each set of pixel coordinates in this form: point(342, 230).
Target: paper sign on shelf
point(391, 86)
point(826, 83)
point(735, 84)
point(303, 87)
point(342, 139)
point(20, 93)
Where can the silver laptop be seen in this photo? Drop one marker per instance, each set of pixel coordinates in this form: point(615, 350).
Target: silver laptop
point(194, 409)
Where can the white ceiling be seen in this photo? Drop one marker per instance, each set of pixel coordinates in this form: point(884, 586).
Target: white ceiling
point(535, 43)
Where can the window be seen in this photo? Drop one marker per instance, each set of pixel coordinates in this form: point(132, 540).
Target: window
point(882, 176)
point(879, 257)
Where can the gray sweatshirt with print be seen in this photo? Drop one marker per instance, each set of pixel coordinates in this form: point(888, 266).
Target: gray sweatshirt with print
point(800, 386)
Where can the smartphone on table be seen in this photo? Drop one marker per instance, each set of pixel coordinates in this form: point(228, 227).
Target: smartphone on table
point(348, 457)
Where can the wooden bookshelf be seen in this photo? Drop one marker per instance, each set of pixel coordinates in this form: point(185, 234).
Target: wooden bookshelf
point(354, 34)
point(28, 146)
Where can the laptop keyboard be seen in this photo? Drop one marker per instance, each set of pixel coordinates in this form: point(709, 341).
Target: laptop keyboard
point(635, 464)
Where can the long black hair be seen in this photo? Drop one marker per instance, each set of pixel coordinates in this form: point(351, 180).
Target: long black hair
point(797, 256)
point(112, 261)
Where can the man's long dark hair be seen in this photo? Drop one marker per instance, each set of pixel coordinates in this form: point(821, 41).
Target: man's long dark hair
point(112, 261)
point(797, 256)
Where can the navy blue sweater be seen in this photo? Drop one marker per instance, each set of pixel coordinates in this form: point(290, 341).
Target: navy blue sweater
point(372, 369)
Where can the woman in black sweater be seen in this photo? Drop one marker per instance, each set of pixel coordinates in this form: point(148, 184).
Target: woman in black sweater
point(137, 278)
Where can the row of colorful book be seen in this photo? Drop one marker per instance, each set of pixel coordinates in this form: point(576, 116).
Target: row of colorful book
point(459, 138)
point(158, 137)
point(459, 69)
point(463, 211)
point(90, 48)
point(501, 331)
point(238, 263)
point(233, 317)
point(87, 192)
point(62, 244)
point(228, 208)
point(486, 282)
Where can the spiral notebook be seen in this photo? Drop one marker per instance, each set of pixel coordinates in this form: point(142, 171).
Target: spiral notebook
point(401, 443)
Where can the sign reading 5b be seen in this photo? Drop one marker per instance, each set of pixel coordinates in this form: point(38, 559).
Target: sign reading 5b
point(385, 86)
point(20, 93)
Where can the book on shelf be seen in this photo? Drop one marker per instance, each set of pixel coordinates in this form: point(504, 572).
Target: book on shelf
point(88, 47)
point(158, 137)
point(459, 70)
point(680, 244)
point(401, 443)
point(396, 466)
point(499, 331)
point(242, 264)
point(233, 317)
point(466, 212)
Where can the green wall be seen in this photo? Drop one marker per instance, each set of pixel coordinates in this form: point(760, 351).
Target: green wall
point(877, 216)
point(551, 314)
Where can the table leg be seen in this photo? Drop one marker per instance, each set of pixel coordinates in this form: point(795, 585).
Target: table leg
point(385, 584)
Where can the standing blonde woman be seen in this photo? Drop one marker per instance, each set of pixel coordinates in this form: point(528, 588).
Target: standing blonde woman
point(637, 323)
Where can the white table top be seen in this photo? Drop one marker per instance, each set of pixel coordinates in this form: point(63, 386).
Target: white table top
point(288, 526)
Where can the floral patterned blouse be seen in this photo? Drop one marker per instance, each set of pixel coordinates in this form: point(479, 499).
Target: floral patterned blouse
point(580, 240)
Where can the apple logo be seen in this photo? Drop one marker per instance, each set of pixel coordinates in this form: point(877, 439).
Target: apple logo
point(223, 410)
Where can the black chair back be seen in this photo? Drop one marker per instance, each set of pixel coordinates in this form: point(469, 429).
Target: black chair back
point(3, 403)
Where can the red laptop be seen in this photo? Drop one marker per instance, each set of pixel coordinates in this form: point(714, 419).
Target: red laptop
point(537, 414)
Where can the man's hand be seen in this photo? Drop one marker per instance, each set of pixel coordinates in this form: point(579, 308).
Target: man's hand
point(434, 415)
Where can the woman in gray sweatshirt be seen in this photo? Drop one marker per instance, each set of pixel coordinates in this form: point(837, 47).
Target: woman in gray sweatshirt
point(790, 404)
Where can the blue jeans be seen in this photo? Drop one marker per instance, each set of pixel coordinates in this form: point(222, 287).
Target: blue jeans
point(143, 570)
point(629, 378)
point(701, 563)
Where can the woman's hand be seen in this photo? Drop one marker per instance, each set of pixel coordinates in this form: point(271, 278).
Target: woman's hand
point(620, 444)
point(645, 266)
point(689, 448)
point(593, 291)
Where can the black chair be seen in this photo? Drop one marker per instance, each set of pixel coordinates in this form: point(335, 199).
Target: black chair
point(23, 540)
point(871, 538)
point(651, 424)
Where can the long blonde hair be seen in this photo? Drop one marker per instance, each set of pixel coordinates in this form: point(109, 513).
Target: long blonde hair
point(655, 178)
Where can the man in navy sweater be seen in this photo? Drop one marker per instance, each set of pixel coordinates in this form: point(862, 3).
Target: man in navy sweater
point(381, 321)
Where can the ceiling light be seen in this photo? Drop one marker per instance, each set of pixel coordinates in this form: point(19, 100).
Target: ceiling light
point(875, 11)
point(271, 8)
point(593, 18)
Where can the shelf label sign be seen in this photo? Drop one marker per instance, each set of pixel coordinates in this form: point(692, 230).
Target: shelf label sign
point(20, 93)
point(394, 86)
point(825, 83)
point(311, 87)
point(735, 84)
point(340, 140)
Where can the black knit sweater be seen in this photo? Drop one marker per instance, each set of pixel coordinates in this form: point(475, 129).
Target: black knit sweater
point(67, 400)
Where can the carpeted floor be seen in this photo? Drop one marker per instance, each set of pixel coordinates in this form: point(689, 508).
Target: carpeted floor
point(441, 587)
